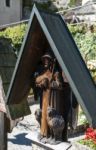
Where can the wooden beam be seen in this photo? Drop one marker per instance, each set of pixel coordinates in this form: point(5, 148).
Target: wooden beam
point(3, 133)
point(3, 130)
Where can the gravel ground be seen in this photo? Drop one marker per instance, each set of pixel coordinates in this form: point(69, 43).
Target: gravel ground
point(17, 139)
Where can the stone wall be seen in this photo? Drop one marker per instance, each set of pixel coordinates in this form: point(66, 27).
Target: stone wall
point(14, 12)
point(10, 14)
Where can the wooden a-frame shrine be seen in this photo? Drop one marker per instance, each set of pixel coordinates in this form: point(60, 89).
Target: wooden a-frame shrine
point(49, 30)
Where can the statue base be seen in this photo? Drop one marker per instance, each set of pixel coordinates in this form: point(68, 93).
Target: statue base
point(37, 145)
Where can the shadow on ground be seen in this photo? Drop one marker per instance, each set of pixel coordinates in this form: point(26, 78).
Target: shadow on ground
point(20, 139)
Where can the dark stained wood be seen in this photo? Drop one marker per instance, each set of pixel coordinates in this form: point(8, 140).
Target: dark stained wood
point(28, 63)
point(3, 132)
point(7, 62)
point(64, 48)
point(19, 110)
point(3, 129)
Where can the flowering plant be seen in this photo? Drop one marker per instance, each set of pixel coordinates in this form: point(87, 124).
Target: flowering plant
point(90, 134)
point(90, 138)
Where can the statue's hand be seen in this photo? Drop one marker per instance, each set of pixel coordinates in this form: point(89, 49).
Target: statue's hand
point(44, 83)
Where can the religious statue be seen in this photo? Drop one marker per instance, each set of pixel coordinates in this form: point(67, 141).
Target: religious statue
point(55, 102)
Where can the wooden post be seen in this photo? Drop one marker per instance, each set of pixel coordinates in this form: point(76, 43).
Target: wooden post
point(3, 130)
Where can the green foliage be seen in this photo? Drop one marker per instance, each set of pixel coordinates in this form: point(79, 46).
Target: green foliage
point(72, 2)
point(90, 143)
point(77, 29)
point(81, 117)
point(16, 34)
point(86, 41)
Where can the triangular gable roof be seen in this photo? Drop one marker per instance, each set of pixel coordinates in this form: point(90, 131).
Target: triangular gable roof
point(52, 27)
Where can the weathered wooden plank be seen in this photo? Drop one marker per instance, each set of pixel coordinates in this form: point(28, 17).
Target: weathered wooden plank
point(2, 97)
point(3, 132)
point(3, 129)
point(19, 110)
point(30, 58)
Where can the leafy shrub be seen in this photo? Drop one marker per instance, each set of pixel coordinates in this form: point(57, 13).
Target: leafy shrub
point(16, 34)
point(72, 2)
point(86, 41)
point(74, 29)
point(81, 117)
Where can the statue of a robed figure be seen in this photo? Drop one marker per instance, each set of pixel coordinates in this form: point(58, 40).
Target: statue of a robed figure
point(55, 103)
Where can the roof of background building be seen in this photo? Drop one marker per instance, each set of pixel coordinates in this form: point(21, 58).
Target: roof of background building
point(87, 1)
point(88, 8)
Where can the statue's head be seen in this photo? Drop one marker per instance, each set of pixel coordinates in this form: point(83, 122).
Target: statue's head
point(47, 60)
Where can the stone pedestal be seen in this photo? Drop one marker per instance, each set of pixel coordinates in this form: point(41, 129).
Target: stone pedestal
point(78, 146)
point(37, 145)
